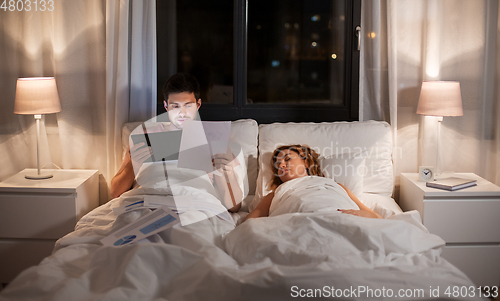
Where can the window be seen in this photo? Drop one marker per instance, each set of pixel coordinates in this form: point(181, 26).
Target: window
point(270, 60)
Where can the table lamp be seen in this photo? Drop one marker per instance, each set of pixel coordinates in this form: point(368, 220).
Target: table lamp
point(37, 96)
point(440, 98)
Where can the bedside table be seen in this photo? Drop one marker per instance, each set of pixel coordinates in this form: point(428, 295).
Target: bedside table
point(35, 213)
point(467, 219)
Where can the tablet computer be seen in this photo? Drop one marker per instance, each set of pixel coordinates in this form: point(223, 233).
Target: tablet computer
point(165, 145)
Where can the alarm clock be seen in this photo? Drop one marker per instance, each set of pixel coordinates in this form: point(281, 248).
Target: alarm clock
point(426, 173)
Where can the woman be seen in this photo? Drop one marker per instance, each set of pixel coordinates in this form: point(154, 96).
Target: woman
point(290, 162)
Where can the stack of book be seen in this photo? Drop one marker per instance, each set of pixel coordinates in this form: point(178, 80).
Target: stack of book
point(452, 183)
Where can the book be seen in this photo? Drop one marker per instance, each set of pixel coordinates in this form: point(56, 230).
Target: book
point(452, 183)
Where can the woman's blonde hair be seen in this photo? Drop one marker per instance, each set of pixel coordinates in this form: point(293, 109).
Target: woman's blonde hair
point(305, 153)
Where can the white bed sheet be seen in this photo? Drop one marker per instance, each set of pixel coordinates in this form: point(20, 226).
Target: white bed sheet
point(262, 259)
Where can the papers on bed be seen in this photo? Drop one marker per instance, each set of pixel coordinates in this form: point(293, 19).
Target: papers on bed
point(150, 201)
point(127, 208)
point(168, 211)
point(151, 223)
point(187, 209)
point(203, 147)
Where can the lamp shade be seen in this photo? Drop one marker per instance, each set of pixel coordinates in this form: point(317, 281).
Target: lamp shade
point(36, 95)
point(440, 98)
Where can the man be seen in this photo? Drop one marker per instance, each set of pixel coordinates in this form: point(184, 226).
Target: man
point(182, 101)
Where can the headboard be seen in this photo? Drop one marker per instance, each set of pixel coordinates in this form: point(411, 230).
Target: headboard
point(372, 138)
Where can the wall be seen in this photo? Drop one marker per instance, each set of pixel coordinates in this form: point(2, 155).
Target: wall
point(69, 44)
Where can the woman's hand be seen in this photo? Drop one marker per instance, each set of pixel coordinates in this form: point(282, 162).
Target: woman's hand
point(262, 208)
point(364, 210)
point(361, 213)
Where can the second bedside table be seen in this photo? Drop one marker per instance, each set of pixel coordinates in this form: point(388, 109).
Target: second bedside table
point(35, 213)
point(467, 219)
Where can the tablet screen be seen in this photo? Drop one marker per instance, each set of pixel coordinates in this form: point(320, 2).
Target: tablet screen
point(165, 145)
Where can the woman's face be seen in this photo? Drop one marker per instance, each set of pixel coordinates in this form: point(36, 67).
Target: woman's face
point(290, 166)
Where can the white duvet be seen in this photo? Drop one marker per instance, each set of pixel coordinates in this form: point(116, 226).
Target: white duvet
point(274, 258)
point(310, 194)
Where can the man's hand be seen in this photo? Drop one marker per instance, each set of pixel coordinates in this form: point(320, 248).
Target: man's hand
point(226, 180)
point(139, 154)
point(224, 162)
point(124, 178)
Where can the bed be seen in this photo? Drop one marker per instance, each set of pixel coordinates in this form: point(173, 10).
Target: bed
point(287, 256)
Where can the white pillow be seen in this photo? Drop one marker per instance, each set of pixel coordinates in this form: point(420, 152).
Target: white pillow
point(346, 169)
point(383, 205)
point(330, 138)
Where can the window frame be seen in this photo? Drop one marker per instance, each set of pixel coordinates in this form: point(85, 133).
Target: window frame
point(268, 113)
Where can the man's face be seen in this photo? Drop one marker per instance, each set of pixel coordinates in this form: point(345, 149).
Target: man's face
point(180, 107)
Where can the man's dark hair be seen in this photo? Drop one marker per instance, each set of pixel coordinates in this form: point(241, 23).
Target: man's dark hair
point(179, 83)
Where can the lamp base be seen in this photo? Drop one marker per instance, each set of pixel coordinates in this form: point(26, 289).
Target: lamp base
point(39, 177)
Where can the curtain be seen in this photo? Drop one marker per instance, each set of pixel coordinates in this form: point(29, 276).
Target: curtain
point(406, 42)
point(130, 71)
point(103, 57)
